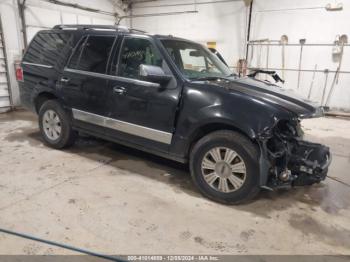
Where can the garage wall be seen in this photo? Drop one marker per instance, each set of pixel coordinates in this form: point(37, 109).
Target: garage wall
point(40, 15)
point(310, 20)
point(226, 21)
point(8, 13)
point(223, 22)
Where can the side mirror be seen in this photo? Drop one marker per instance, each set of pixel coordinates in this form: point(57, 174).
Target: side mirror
point(153, 74)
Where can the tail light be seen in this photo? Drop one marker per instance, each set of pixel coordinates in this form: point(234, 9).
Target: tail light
point(19, 72)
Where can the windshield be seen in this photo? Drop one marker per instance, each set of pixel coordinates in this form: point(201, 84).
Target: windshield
point(195, 61)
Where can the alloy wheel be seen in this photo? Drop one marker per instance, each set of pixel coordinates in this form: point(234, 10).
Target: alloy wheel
point(52, 125)
point(223, 169)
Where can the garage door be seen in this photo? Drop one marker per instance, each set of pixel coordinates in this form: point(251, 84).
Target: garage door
point(39, 18)
point(4, 81)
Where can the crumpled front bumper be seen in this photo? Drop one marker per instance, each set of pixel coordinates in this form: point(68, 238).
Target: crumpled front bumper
point(293, 162)
point(309, 163)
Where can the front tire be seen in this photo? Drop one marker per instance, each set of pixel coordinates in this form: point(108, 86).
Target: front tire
point(224, 167)
point(55, 125)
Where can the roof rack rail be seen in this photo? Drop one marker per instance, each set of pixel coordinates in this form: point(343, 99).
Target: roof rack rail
point(92, 27)
point(97, 27)
point(137, 31)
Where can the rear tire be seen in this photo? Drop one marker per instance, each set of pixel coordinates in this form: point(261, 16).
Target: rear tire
point(224, 167)
point(55, 125)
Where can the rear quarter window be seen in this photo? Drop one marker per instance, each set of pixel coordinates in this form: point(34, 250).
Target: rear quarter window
point(50, 49)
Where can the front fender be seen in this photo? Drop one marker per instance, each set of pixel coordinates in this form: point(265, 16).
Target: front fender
point(216, 105)
point(215, 114)
point(203, 105)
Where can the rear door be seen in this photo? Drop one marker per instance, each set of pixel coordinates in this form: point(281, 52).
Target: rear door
point(84, 82)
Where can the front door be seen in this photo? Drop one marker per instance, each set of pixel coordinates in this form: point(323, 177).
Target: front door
point(145, 111)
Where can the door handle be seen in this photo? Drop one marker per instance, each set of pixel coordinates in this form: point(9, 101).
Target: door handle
point(119, 90)
point(65, 79)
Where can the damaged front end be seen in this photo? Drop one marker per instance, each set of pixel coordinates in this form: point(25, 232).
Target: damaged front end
point(287, 160)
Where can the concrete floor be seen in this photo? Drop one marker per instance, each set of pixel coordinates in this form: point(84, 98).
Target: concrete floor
point(105, 197)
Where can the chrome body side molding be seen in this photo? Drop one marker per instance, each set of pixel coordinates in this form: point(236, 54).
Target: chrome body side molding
point(38, 65)
point(125, 127)
point(110, 77)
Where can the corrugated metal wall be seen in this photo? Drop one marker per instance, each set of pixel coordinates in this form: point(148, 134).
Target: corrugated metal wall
point(5, 100)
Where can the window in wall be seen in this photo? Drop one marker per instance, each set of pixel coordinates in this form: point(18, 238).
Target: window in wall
point(135, 52)
point(92, 54)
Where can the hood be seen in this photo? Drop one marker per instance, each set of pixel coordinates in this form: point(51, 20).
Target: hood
point(273, 94)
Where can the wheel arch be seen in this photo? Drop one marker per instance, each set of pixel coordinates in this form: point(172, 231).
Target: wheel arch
point(208, 128)
point(41, 98)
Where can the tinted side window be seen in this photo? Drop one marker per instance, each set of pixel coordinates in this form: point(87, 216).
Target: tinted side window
point(92, 54)
point(73, 63)
point(137, 51)
point(49, 49)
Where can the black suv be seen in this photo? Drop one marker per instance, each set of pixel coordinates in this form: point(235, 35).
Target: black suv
point(173, 98)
